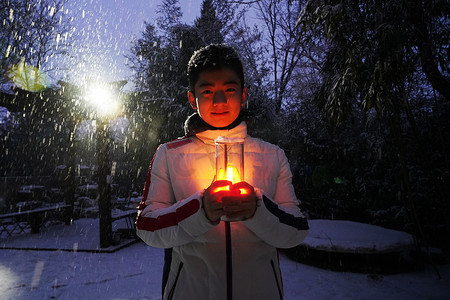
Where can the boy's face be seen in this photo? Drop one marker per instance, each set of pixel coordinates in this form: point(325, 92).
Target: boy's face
point(218, 97)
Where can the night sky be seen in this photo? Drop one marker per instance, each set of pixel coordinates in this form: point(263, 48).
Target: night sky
point(104, 29)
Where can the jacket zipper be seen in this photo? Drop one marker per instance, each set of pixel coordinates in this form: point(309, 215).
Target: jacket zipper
point(229, 261)
point(276, 279)
point(172, 290)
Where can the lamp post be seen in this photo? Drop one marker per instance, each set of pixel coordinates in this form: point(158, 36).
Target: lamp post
point(104, 190)
point(106, 106)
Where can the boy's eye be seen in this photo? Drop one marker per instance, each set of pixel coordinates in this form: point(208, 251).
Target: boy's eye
point(231, 90)
point(206, 92)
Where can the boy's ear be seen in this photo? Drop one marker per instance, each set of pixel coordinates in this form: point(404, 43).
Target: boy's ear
point(244, 96)
point(191, 98)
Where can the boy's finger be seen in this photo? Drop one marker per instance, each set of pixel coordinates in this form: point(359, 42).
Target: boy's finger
point(236, 215)
point(231, 200)
point(218, 186)
point(220, 183)
point(242, 185)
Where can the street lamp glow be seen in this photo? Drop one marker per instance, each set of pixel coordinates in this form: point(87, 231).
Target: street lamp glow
point(103, 101)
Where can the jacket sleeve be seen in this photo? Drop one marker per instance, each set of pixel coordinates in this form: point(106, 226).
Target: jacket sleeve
point(279, 221)
point(163, 221)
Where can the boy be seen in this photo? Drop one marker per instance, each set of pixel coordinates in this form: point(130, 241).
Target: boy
point(210, 258)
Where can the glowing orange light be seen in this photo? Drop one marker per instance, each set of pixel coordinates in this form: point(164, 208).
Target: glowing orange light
point(230, 174)
point(243, 191)
point(222, 188)
point(227, 188)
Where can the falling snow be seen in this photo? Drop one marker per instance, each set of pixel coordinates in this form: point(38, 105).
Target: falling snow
point(100, 36)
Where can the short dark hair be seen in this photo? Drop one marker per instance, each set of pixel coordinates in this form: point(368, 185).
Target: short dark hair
point(213, 57)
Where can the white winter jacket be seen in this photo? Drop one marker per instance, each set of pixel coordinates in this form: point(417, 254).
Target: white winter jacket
point(171, 216)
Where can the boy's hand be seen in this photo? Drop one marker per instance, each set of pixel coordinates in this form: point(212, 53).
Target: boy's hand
point(212, 200)
point(240, 202)
point(235, 201)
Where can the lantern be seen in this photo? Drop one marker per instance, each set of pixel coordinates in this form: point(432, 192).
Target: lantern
point(230, 166)
point(229, 159)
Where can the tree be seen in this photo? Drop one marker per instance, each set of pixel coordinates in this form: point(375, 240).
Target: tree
point(169, 14)
point(157, 70)
point(384, 56)
point(31, 31)
point(208, 25)
point(284, 48)
point(374, 50)
point(429, 22)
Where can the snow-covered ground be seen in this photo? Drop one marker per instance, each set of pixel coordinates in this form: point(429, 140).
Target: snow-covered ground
point(134, 272)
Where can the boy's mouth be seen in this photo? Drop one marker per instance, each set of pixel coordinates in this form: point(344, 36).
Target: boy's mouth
point(219, 113)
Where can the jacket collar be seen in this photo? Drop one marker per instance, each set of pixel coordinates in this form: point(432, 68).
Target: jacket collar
point(194, 124)
point(208, 136)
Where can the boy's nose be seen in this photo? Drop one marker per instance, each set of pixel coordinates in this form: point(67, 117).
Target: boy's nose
point(219, 97)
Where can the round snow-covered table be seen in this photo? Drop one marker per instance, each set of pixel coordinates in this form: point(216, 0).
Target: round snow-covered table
point(354, 237)
point(352, 246)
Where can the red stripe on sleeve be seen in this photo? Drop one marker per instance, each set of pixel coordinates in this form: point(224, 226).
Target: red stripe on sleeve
point(147, 184)
point(170, 219)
